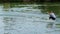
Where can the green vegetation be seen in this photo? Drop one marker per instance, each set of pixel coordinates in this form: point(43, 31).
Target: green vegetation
point(28, 1)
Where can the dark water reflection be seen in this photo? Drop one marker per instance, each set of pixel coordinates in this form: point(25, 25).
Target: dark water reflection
point(55, 8)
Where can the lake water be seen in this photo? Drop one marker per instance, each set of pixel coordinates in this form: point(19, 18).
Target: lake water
point(26, 19)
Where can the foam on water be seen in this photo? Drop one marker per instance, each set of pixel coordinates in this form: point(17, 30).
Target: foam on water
point(33, 22)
